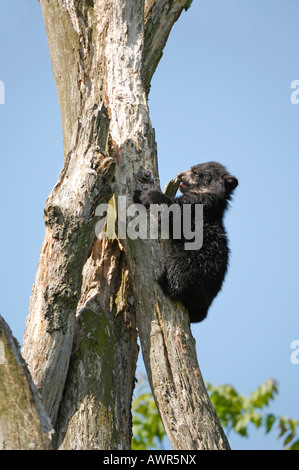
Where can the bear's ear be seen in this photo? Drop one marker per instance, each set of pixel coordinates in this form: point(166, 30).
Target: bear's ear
point(230, 183)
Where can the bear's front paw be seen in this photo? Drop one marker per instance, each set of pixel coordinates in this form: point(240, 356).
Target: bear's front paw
point(152, 196)
point(148, 197)
point(143, 197)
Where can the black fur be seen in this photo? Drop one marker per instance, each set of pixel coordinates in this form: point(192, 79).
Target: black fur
point(195, 277)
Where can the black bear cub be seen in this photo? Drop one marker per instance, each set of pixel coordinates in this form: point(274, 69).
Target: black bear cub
point(194, 277)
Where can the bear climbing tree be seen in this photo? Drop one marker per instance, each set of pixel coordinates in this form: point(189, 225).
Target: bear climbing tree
point(194, 274)
point(90, 296)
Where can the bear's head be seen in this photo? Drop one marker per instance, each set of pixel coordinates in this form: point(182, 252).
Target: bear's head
point(207, 178)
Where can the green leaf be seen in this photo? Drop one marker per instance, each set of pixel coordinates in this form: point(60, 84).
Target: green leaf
point(264, 394)
point(270, 420)
point(294, 446)
point(288, 439)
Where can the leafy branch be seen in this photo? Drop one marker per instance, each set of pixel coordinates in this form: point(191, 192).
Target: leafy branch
point(236, 412)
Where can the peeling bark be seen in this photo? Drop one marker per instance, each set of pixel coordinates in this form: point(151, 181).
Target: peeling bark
point(95, 410)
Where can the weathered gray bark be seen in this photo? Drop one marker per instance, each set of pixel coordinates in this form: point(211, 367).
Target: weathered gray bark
point(95, 410)
point(80, 338)
point(24, 423)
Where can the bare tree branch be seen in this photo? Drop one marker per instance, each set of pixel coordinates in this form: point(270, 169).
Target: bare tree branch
point(159, 18)
point(24, 423)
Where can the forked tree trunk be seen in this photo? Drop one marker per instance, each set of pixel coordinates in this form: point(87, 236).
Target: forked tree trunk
point(80, 339)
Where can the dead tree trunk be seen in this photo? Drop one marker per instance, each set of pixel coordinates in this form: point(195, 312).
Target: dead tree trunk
point(80, 339)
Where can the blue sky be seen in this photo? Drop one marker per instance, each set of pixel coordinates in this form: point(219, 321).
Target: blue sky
point(221, 92)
